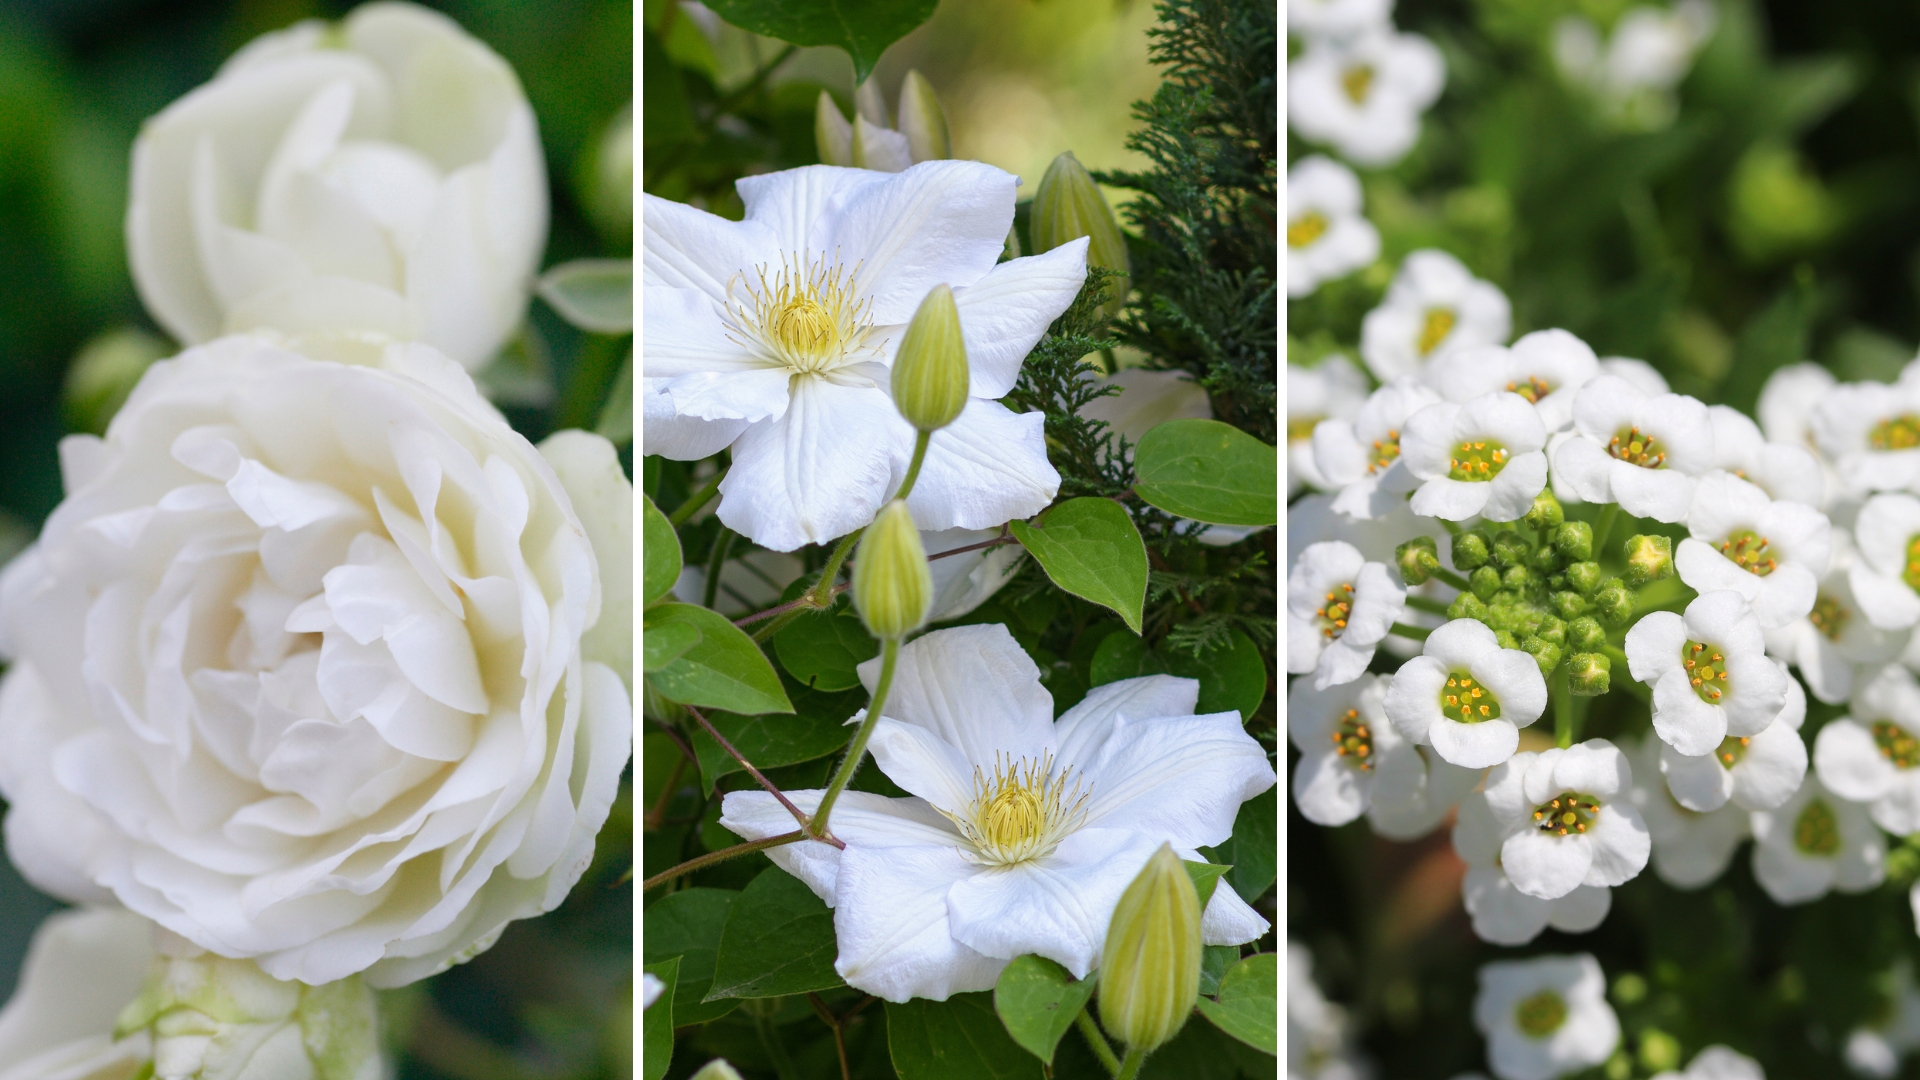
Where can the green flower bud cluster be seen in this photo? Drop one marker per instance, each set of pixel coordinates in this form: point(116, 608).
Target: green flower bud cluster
point(1542, 594)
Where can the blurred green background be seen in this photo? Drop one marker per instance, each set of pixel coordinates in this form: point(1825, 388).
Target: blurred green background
point(77, 78)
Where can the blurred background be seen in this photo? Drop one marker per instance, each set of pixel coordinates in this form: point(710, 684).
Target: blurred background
point(77, 78)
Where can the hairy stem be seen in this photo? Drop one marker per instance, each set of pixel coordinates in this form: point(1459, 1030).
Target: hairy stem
point(1130, 1068)
point(1091, 1031)
point(889, 658)
point(713, 858)
point(1451, 578)
point(1602, 527)
point(913, 470)
point(1431, 607)
point(1563, 725)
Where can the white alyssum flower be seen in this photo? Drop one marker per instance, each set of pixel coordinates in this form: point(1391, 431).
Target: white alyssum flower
point(1363, 95)
point(319, 664)
point(1634, 71)
point(1876, 1049)
point(1361, 457)
point(1545, 1016)
point(1412, 795)
point(1788, 400)
point(82, 968)
point(1568, 819)
point(1786, 471)
point(1871, 432)
point(1816, 842)
point(775, 335)
point(383, 176)
point(1433, 306)
point(1872, 755)
point(1690, 848)
point(1644, 376)
point(1639, 450)
point(1757, 772)
point(1316, 19)
point(1484, 457)
point(1717, 1063)
point(1770, 552)
point(1835, 645)
point(1353, 762)
point(1327, 237)
point(1319, 1043)
point(1500, 913)
point(1547, 367)
point(1466, 696)
point(1021, 831)
point(1339, 607)
point(1709, 671)
point(1331, 390)
point(1886, 568)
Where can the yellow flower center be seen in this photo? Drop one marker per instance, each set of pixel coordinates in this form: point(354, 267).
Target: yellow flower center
point(1706, 670)
point(1635, 448)
point(1748, 551)
point(1898, 433)
point(1333, 614)
point(1467, 701)
point(1021, 812)
point(1356, 81)
point(805, 317)
point(1570, 812)
point(1817, 830)
point(1533, 388)
point(1896, 745)
point(1306, 228)
point(1540, 1015)
point(1828, 616)
point(1434, 328)
point(1387, 450)
point(1478, 460)
point(1301, 427)
point(1732, 749)
point(1355, 740)
point(1911, 575)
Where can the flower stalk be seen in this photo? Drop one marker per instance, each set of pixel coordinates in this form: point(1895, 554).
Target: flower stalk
point(889, 658)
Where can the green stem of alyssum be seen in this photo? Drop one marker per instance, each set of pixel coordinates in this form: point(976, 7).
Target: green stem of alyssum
point(1602, 527)
point(889, 657)
point(1562, 694)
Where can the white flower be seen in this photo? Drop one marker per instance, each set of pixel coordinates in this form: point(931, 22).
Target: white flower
point(964, 582)
point(1757, 772)
point(1331, 390)
point(319, 664)
point(1871, 433)
point(1339, 607)
point(379, 177)
point(1569, 819)
point(1021, 831)
point(1634, 73)
point(1639, 450)
point(1433, 306)
point(1717, 1063)
point(1363, 95)
point(1466, 696)
point(1327, 237)
point(1788, 400)
point(1815, 842)
point(1318, 1042)
point(1484, 457)
point(1870, 755)
point(1770, 552)
point(1709, 671)
point(1786, 471)
point(82, 968)
point(1501, 913)
point(1544, 1017)
point(1361, 457)
point(650, 989)
point(1644, 376)
point(1413, 794)
point(1690, 848)
point(1352, 761)
point(1886, 569)
point(1315, 19)
point(1875, 1050)
point(777, 332)
point(1547, 367)
point(1835, 642)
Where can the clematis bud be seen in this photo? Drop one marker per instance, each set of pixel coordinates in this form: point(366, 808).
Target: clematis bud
point(892, 586)
point(1471, 550)
point(1067, 206)
point(1573, 540)
point(1150, 967)
point(922, 120)
point(832, 135)
point(1649, 558)
point(1418, 558)
point(1588, 674)
point(1546, 512)
point(930, 378)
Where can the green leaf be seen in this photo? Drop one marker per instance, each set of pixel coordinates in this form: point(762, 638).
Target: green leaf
point(1248, 1002)
point(1232, 676)
point(592, 294)
point(778, 940)
point(656, 1024)
point(616, 416)
point(662, 645)
point(1214, 962)
point(687, 924)
point(1205, 876)
point(1208, 471)
point(960, 1038)
point(1251, 847)
point(724, 670)
point(822, 648)
point(1123, 656)
point(1037, 1001)
point(864, 28)
point(817, 727)
point(1091, 548)
point(660, 552)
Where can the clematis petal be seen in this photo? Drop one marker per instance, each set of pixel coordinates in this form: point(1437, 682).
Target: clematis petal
point(1229, 920)
point(685, 248)
point(1089, 723)
point(665, 432)
point(1057, 907)
point(986, 468)
point(791, 202)
point(872, 821)
point(973, 688)
point(1181, 778)
point(1003, 316)
point(683, 335)
point(939, 222)
point(817, 472)
point(891, 925)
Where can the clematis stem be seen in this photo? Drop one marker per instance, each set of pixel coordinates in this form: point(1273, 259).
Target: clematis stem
point(782, 609)
point(715, 735)
point(889, 658)
point(1604, 526)
point(658, 813)
point(1101, 1050)
point(1417, 633)
point(817, 598)
point(1563, 725)
point(1003, 538)
point(715, 563)
point(697, 500)
point(1130, 1068)
point(714, 857)
point(913, 469)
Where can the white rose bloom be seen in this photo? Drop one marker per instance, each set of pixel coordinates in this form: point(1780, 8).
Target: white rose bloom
point(1639, 450)
point(1568, 819)
point(1361, 457)
point(1717, 1063)
point(83, 967)
point(1364, 95)
point(1352, 761)
point(1466, 696)
point(1482, 458)
point(1331, 390)
point(1709, 670)
point(1886, 567)
point(1869, 756)
point(1433, 306)
point(319, 664)
point(1315, 19)
point(1545, 1016)
point(1327, 237)
point(1500, 913)
point(1771, 553)
point(1339, 607)
point(1786, 471)
point(379, 177)
point(1871, 432)
point(1547, 367)
point(1835, 645)
point(1757, 772)
point(1690, 848)
point(934, 893)
point(1318, 1042)
point(1816, 842)
point(777, 333)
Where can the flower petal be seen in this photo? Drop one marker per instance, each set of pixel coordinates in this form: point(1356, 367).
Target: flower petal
point(793, 204)
point(939, 222)
point(685, 248)
point(1175, 778)
point(1089, 723)
point(892, 929)
point(1546, 866)
point(817, 472)
point(986, 468)
point(1004, 315)
point(973, 688)
point(1058, 906)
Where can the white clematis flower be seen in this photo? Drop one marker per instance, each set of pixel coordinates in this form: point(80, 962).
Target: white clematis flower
point(1331, 390)
point(1871, 432)
point(1709, 671)
point(1363, 95)
point(1361, 457)
point(1770, 552)
point(383, 176)
point(1816, 842)
point(1835, 645)
point(1568, 819)
point(1021, 831)
point(1785, 471)
point(775, 335)
point(82, 968)
point(1327, 237)
point(1481, 458)
point(1870, 755)
point(1717, 1063)
point(1467, 696)
point(1501, 913)
point(1433, 306)
point(1547, 367)
point(1339, 607)
point(1756, 772)
point(1886, 569)
point(1639, 450)
point(1690, 848)
point(1545, 1016)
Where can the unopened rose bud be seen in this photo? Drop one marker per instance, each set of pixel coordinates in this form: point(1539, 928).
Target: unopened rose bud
point(930, 377)
point(1585, 634)
point(1546, 511)
point(1418, 558)
point(1068, 205)
point(1613, 602)
point(832, 135)
point(922, 120)
point(892, 586)
point(1588, 674)
point(1545, 653)
point(1573, 540)
point(1583, 577)
point(1649, 558)
point(1150, 967)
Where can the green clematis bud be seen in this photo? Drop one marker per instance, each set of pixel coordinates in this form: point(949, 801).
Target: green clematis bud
point(1510, 549)
point(1544, 652)
point(1588, 674)
point(892, 587)
point(1584, 577)
point(1068, 205)
point(1649, 558)
point(922, 120)
point(1585, 634)
point(1484, 582)
point(1546, 511)
point(1471, 550)
point(1418, 558)
point(1573, 540)
point(930, 377)
point(1613, 603)
point(1150, 967)
point(832, 135)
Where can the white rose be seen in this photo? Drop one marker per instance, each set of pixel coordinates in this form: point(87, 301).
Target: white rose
point(82, 969)
point(382, 176)
point(312, 666)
